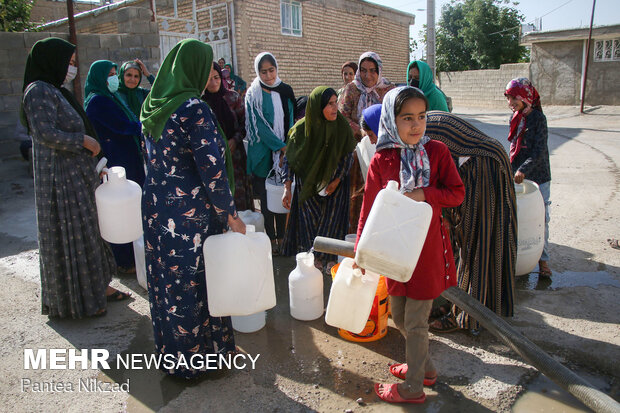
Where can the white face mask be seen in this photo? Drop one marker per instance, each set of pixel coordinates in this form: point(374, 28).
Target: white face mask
point(71, 73)
point(113, 83)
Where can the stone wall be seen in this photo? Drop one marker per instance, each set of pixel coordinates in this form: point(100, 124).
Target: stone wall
point(482, 88)
point(557, 67)
point(333, 32)
point(14, 48)
point(45, 11)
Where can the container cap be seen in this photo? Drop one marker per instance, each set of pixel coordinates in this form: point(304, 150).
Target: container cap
point(392, 185)
point(116, 173)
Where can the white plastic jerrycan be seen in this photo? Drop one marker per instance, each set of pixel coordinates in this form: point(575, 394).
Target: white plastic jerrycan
point(394, 234)
point(253, 218)
point(249, 323)
point(351, 297)
point(305, 288)
point(239, 273)
point(119, 207)
point(139, 259)
point(365, 150)
point(531, 232)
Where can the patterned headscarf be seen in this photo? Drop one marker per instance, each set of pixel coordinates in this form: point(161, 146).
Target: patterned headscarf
point(522, 89)
point(369, 95)
point(415, 169)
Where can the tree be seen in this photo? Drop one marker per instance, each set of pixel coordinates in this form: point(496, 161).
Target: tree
point(15, 15)
point(478, 34)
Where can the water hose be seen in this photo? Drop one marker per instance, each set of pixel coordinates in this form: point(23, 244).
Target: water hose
point(530, 352)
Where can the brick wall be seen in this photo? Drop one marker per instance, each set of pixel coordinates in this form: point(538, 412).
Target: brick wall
point(333, 32)
point(482, 88)
point(14, 48)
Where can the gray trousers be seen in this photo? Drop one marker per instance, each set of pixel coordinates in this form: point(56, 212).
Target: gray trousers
point(411, 318)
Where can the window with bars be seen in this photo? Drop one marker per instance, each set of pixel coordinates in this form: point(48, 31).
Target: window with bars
point(607, 50)
point(290, 17)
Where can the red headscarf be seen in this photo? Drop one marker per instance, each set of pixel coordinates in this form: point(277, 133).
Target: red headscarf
point(522, 89)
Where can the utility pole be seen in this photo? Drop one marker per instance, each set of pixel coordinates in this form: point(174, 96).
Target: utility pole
point(77, 85)
point(430, 35)
point(585, 73)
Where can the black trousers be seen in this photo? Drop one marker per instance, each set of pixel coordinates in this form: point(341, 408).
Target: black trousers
point(275, 224)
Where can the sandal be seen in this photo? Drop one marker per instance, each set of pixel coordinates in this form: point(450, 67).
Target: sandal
point(440, 311)
point(389, 393)
point(614, 243)
point(445, 324)
point(543, 269)
point(275, 250)
point(400, 370)
point(117, 296)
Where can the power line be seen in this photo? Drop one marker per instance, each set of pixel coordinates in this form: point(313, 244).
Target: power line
point(516, 27)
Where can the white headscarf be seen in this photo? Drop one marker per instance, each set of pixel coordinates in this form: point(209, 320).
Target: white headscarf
point(254, 98)
point(369, 95)
point(415, 169)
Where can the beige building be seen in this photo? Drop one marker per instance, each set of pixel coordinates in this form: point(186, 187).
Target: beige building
point(309, 38)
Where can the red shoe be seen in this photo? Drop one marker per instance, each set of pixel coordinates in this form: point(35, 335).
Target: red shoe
point(400, 370)
point(389, 393)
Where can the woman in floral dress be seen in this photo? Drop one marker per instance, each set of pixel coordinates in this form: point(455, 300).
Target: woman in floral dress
point(186, 198)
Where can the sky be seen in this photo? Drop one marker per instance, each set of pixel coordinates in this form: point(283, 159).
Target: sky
point(555, 14)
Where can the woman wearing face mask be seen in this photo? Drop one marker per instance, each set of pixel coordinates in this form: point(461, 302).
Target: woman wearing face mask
point(76, 264)
point(320, 154)
point(129, 88)
point(269, 109)
point(420, 75)
point(118, 129)
point(348, 74)
point(367, 88)
point(228, 108)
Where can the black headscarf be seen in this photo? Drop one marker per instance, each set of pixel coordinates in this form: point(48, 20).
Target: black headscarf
point(219, 106)
point(48, 61)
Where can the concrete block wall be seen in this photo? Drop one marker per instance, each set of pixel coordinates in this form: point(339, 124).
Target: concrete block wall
point(481, 88)
point(14, 49)
point(333, 32)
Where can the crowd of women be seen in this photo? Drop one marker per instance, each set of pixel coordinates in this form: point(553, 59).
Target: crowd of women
point(184, 141)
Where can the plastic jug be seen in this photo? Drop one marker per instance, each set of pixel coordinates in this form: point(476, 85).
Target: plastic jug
point(351, 297)
point(239, 273)
point(253, 218)
point(305, 287)
point(119, 207)
point(377, 324)
point(249, 323)
point(349, 238)
point(365, 150)
point(531, 226)
point(394, 234)
point(139, 259)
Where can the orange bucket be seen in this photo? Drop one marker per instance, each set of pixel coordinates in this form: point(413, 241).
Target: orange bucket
point(376, 326)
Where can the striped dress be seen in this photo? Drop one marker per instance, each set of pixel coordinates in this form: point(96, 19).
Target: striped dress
point(326, 216)
point(484, 227)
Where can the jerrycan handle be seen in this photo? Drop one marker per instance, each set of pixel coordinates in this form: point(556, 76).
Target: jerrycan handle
point(249, 228)
point(392, 185)
point(519, 188)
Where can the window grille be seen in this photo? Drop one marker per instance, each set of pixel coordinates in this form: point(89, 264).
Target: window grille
point(607, 50)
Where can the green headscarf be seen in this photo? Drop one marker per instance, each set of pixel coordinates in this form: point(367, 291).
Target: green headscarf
point(183, 75)
point(48, 61)
point(134, 96)
point(435, 97)
point(316, 145)
point(97, 84)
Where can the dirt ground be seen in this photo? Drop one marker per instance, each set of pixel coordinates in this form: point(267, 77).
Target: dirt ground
point(306, 366)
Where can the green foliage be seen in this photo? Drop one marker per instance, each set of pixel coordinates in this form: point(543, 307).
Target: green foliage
point(478, 34)
point(15, 15)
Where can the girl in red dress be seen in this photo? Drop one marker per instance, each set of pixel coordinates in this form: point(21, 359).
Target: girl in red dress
point(426, 173)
